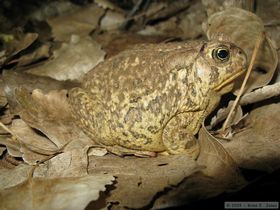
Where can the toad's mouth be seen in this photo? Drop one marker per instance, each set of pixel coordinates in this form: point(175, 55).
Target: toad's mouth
point(229, 80)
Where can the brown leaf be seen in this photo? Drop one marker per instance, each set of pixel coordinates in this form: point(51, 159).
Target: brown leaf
point(80, 22)
point(41, 52)
point(3, 99)
point(268, 11)
point(21, 43)
point(258, 146)
point(2, 150)
point(14, 79)
point(13, 146)
point(72, 60)
point(106, 4)
point(139, 180)
point(219, 174)
point(34, 147)
point(192, 19)
point(112, 21)
point(68, 164)
point(243, 28)
point(219, 164)
point(71, 193)
point(166, 28)
point(222, 114)
point(51, 115)
point(12, 177)
point(194, 188)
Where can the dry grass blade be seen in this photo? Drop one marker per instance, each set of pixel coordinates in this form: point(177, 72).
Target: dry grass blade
point(254, 55)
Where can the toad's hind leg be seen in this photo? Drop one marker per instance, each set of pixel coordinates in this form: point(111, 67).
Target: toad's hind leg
point(179, 138)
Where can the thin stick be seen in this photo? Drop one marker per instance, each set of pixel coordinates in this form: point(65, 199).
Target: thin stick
point(253, 58)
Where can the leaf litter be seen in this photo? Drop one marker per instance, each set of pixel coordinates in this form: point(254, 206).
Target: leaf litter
point(64, 169)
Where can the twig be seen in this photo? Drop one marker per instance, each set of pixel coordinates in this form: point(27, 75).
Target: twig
point(252, 61)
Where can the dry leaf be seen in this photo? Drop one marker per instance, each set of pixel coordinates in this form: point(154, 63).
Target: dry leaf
point(12, 145)
point(222, 114)
point(51, 115)
point(3, 99)
point(268, 11)
point(140, 180)
point(2, 149)
point(41, 52)
point(192, 19)
point(115, 43)
point(220, 174)
point(80, 22)
point(68, 164)
point(58, 193)
point(219, 164)
point(261, 94)
point(112, 21)
point(258, 146)
point(106, 4)
point(165, 28)
point(16, 45)
point(192, 189)
point(212, 6)
point(243, 28)
point(23, 42)
point(14, 79)
point(72, 60)
point(95, 151)
point(34, 147)
point(12, 177)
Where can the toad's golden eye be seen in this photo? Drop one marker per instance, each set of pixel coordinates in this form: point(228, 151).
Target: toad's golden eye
point(221, 53)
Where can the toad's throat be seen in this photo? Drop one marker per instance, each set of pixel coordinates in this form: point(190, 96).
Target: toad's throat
point(229, 80)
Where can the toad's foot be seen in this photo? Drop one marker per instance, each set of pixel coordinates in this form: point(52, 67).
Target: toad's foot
point(122, 151)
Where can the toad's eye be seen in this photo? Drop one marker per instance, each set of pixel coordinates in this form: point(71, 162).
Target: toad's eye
point(221, 53)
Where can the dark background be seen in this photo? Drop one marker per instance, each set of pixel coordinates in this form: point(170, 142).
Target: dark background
point(267, 188)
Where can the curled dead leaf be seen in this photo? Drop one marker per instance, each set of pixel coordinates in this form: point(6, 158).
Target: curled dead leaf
point(219, 164)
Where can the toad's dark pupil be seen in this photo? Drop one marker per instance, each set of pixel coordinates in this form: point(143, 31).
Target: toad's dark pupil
point(222, 54)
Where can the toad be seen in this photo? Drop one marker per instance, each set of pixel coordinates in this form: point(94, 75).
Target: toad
point(152, 98)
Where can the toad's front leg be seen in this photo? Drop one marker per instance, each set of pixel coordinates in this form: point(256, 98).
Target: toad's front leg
point(178, 135)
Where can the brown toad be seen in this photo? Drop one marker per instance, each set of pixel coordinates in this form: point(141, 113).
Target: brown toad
point(153, 98)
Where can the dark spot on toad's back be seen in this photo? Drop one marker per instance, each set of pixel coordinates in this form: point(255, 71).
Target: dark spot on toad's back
point(153, 129)
point(133, 115)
